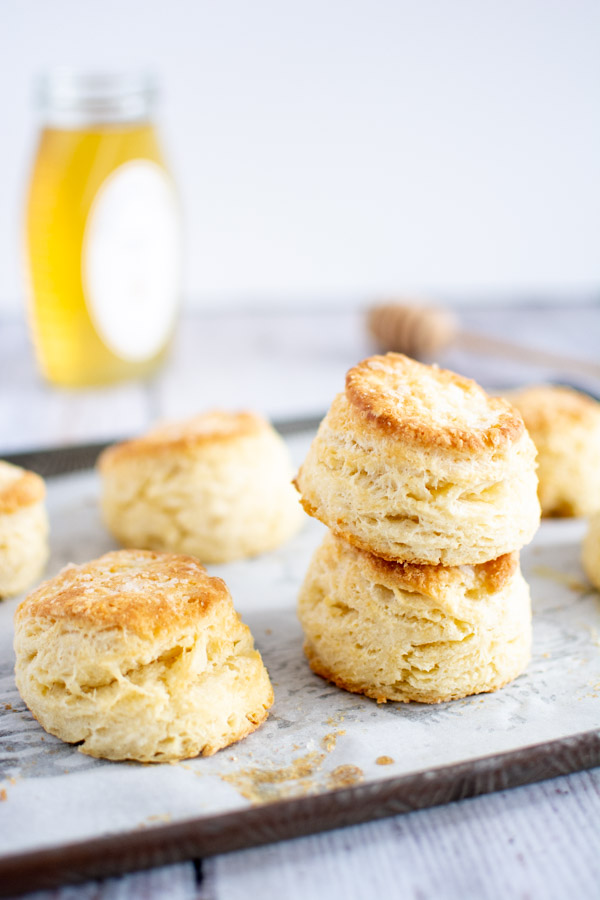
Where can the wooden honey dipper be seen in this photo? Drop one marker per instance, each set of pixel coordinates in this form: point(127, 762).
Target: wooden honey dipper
point(424, 331)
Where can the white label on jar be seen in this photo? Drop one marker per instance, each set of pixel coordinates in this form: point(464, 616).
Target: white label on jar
point(131, 260)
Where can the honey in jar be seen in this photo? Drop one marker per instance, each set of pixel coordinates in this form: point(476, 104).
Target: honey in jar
point(102, 232)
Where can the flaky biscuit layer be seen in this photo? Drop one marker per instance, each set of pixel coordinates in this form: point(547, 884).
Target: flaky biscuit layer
point(429, 407)
point(396, 632)
point(139, 655)
point(217, 486)
point(23, 529)
point(19, 488)
point(429, 470)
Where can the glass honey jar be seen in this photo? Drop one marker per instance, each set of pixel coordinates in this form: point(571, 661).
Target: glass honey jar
point(103, 235)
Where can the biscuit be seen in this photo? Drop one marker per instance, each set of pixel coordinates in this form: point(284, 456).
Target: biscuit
point(139, 655)
point(217, 486)
point(415, 463)
point(564, 425)
point(590, 556)
point(23, 529)
point(399, 631)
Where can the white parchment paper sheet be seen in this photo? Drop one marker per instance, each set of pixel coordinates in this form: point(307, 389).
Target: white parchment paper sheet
point(52, 794)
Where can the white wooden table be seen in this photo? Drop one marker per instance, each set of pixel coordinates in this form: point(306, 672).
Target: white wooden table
point(542, 840)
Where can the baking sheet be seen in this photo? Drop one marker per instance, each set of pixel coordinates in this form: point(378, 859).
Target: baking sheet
point(317, 738)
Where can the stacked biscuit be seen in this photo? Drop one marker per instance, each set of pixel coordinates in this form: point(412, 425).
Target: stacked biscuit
point(428, 487)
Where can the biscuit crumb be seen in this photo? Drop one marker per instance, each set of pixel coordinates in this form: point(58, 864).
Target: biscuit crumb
point(384, 761)
point(330, 740)
point(3, 794)
point(335, 720)
point(345, 776)
point(264, 785)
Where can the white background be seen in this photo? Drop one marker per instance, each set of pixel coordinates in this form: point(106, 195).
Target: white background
point(335, 149)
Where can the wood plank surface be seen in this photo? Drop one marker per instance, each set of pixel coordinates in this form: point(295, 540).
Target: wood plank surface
point(541, 841)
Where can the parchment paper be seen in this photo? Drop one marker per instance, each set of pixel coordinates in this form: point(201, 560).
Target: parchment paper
point(317, 737)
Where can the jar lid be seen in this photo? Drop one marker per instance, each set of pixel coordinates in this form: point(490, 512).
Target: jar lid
point(72, 98)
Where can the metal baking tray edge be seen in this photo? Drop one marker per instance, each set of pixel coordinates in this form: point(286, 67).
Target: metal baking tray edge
point(285, 819)
point(280, 820)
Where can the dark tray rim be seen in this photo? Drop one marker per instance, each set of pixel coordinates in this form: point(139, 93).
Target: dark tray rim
point(49, 462)
point(123, 852)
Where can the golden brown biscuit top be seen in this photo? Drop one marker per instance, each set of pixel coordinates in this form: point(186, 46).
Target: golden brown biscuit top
point(19, 488)
point(134, 590)
point(210, 427)
point(548, 408)
point(436, 581)
point(429, 406)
